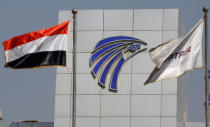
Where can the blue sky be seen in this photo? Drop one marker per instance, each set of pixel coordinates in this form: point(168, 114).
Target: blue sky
point(29, 94)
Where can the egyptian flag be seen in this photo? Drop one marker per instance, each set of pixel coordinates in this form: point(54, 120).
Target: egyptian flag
point(41, 48)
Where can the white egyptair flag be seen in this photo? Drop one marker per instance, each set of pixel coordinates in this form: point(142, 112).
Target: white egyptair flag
point(177, 56)
point(42, 48)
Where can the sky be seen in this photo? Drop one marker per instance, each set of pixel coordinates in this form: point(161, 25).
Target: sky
point(29, 93)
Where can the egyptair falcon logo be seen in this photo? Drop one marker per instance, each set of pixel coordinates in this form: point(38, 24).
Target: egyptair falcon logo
point(110, 54)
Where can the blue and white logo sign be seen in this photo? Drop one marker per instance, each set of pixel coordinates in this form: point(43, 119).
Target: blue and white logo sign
point(110, 54)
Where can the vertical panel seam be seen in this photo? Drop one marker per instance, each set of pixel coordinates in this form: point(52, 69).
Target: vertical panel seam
point(161, 99)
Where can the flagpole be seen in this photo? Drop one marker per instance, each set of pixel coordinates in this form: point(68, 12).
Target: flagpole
point(205, 9)
point(74, 11)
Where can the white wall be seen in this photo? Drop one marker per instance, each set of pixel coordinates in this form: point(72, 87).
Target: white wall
point(134, 105)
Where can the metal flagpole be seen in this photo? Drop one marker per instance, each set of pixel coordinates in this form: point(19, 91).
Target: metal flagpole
point(205, 9)
point(74, 11)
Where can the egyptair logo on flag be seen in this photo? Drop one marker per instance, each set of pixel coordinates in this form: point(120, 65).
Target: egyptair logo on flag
point(110, 54)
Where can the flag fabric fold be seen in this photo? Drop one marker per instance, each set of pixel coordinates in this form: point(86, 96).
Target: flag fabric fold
point(42, 48)
point(176, 56)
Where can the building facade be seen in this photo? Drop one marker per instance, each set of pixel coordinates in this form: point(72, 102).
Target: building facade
point(160, 104)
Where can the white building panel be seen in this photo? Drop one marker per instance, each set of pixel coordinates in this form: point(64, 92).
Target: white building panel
point(62, 106)
point(145, 105)
point(167, 35)
point(83, 62)
point(89, 20)
point(152, 38)
point(115, 122)
point(88, 38)
point(64, 81)
point(170, 21)
point(118, 19)
point(145, 122)
point(87, 85)
point(62, 122)
point(169, 86)
point(142, 64)
point(87, 121)
point(138, 86)
point(111, 33)
point(148, 19)
point(88, 105)
point(115, 105)
point(169, 105)
point(168, 121)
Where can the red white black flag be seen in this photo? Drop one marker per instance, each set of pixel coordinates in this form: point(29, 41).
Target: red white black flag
point(41, 48)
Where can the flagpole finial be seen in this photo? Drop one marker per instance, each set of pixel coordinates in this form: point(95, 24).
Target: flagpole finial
point(205, 9)
point(74, 11)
